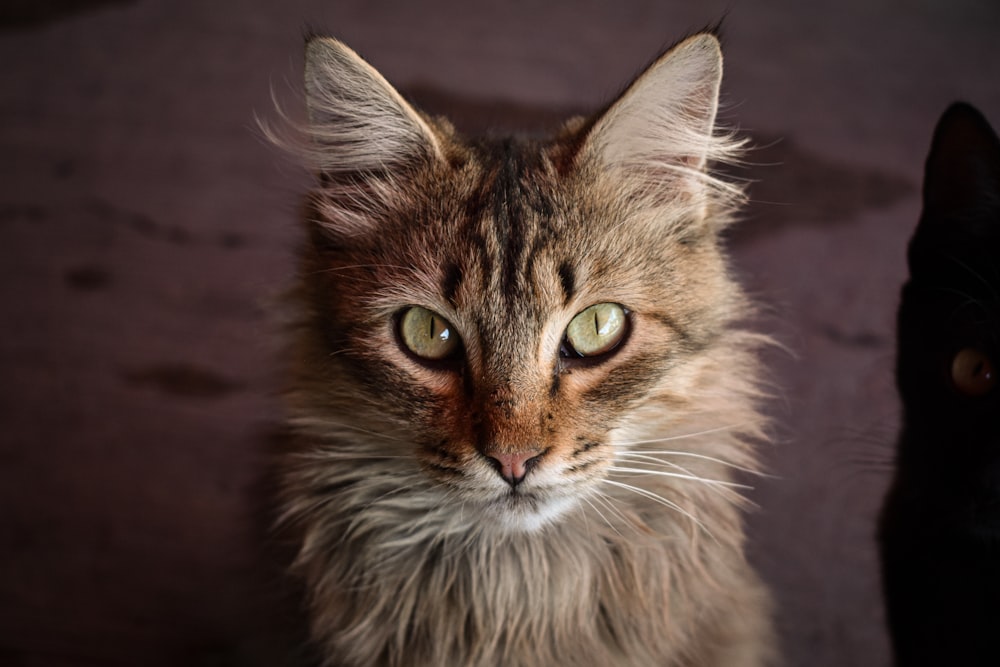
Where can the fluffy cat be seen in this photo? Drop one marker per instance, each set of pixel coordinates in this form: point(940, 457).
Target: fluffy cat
point(520, 388)
point(940, 526)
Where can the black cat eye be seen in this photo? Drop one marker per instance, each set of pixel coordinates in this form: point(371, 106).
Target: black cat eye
point(973, 372)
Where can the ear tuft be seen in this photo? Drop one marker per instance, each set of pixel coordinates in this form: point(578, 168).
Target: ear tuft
point(361, 137)
point(357, 121)
point(660, 133)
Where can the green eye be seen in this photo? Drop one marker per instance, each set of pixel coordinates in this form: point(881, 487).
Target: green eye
point(595, 330)
point(427, 334)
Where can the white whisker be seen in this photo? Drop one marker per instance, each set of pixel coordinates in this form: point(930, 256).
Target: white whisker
point(327, 454)
point(337, 269)
point(660, 463)
point(608, 502)
point(328, 425)
point(683, 436)
point(601, 514)
point(653, 461)
point(677, 475)
point(669, 452)
point(663, 501)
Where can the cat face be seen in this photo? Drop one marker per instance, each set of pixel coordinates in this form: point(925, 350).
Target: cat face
point(949, 324)
point(511, 332)
point(495, 316)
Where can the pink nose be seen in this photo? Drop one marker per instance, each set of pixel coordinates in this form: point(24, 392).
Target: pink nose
point(514, 467)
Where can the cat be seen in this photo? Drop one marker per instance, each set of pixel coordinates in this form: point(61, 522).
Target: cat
point(939, 531)
point(521, 387)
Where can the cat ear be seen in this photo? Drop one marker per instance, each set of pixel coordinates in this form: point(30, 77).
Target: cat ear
point(660, 132)
point(961, 193)
point(357, 121)
point(963, 166)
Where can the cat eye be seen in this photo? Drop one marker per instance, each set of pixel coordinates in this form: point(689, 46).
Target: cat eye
point(972, 372)
point(595, 330)
point(427, 335)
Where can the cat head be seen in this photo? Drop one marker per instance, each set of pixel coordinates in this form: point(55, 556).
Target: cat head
point(489, 319)
point(949, 321)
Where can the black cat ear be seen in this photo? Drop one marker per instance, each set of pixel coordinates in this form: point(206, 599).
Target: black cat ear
point(963, 168)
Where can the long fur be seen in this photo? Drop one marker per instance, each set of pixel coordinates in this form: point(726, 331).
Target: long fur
point(624, 546)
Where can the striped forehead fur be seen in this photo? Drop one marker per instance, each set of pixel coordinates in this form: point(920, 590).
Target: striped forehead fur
point(658, 138)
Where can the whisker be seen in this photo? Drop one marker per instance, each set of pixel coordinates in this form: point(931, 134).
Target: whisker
point(601, 514)
point(669, 452)
point(663, 501)
point(682, 436)
point(718, 485)
point(725, 488)
point(336, 269)
point(654, 461)
point(326, 454)
point(689, 476)
point(872, 459)
point(607, 501)
point(975, 274)
point(326, 424)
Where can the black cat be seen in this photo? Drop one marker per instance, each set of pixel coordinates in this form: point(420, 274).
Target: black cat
point(939, 532)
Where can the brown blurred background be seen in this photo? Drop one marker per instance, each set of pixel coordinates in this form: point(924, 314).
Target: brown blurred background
point(145, 228)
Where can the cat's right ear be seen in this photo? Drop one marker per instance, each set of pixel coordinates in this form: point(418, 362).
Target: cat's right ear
point(359, 123)
point(961, 196)
point(963, 164)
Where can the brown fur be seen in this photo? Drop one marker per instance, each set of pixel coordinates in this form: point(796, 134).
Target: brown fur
point(624, 543)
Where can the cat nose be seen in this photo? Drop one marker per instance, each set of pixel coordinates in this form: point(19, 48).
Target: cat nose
point(514, 467)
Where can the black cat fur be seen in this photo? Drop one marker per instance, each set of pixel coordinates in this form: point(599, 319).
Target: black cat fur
point(939, 531)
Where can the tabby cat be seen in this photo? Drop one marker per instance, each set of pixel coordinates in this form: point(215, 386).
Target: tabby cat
point(940, 526)
point(521, 393)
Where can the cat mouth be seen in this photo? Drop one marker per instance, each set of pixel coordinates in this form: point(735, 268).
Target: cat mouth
point(526, 511)
point(519, 500)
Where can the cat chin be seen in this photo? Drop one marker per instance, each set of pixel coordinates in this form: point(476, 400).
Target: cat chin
point(525, 514)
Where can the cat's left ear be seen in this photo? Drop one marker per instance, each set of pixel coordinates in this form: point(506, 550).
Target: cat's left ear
point(660, 132)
